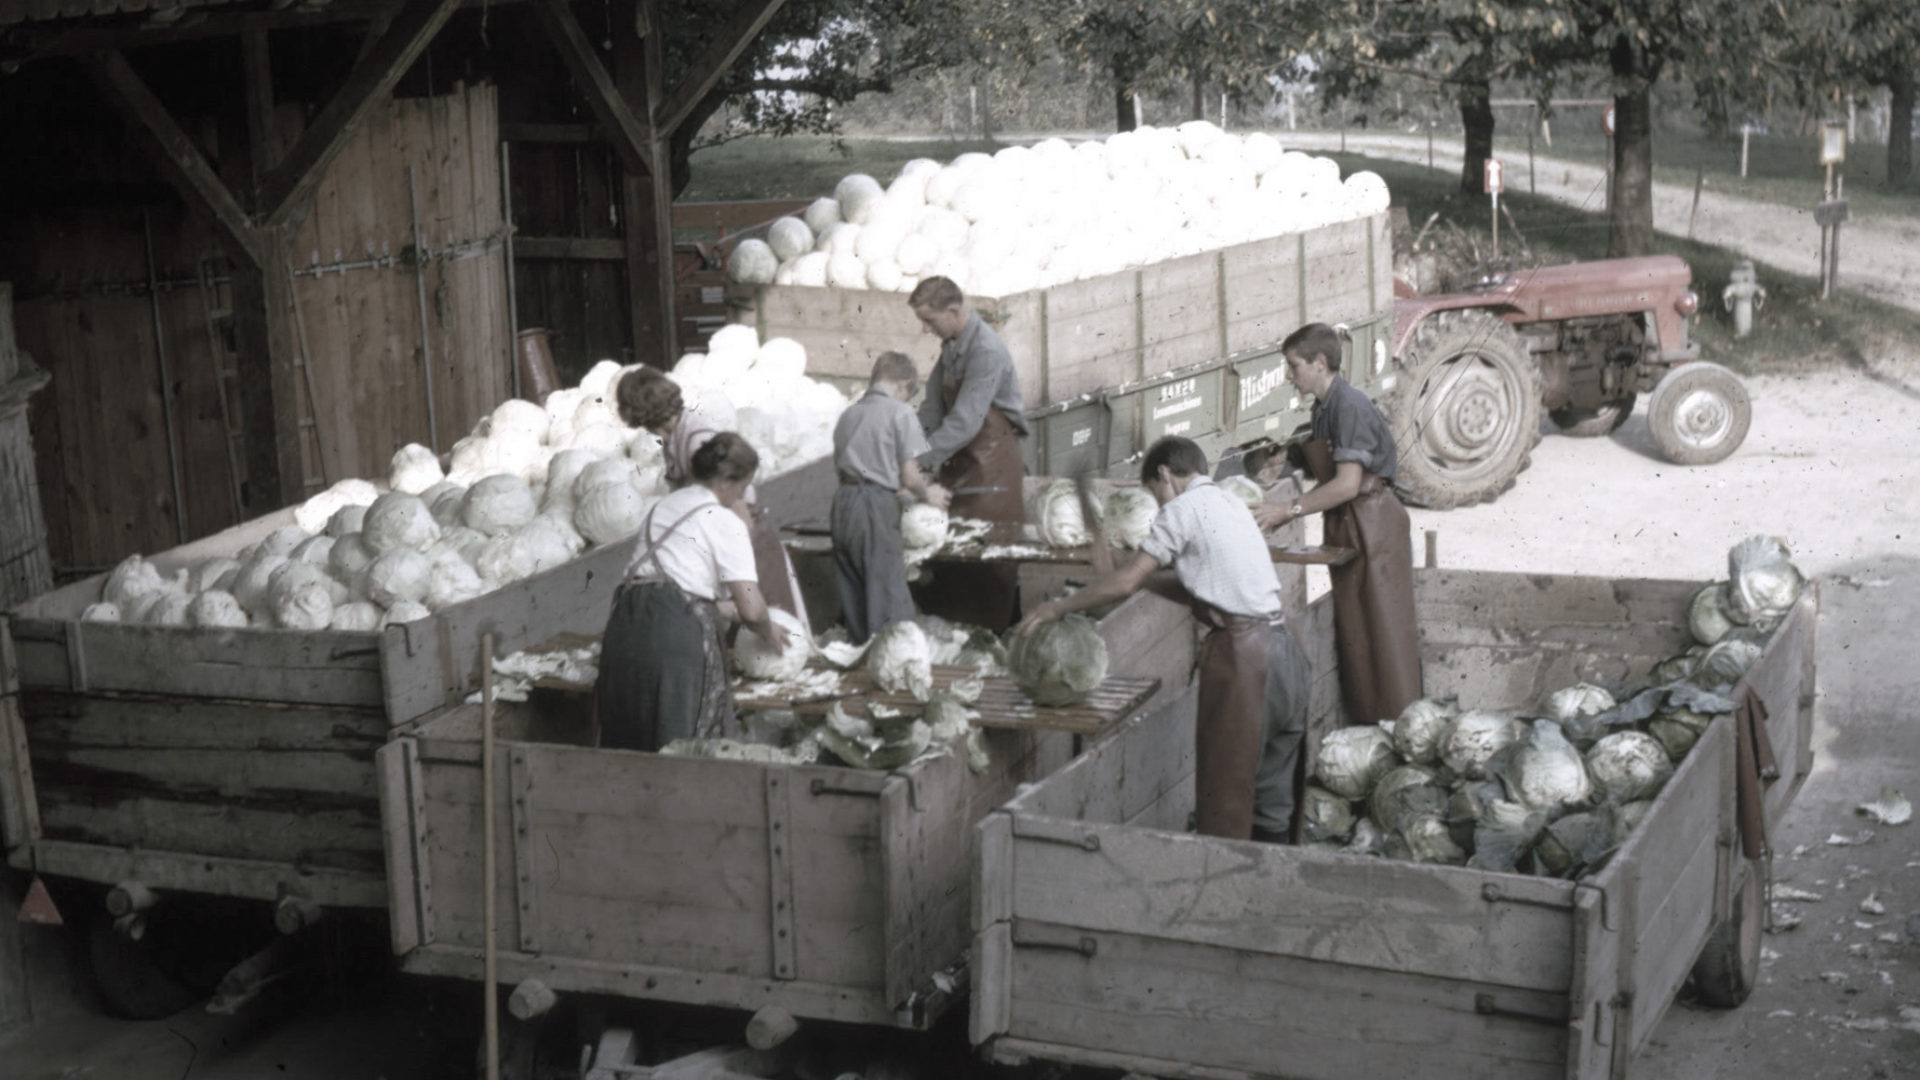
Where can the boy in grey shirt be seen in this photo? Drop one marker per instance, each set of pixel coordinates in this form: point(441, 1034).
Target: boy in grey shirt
point(876, 444)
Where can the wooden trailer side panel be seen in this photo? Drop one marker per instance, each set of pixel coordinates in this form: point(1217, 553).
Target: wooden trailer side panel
point(1142, 775)
point(320, 667)
point(1093, 331)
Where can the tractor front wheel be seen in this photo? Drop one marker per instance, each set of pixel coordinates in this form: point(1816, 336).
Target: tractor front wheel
point(1465, 412)
point(1699, 414)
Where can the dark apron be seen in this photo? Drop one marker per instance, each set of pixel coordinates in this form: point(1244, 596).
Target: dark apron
point(980, 594)
point(663, 664)
point(1373, 617)
point(1230, 720)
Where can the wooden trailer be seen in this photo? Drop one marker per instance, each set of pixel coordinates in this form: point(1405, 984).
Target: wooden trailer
point(831, 893)
point(1106, 936)
point(240, 762)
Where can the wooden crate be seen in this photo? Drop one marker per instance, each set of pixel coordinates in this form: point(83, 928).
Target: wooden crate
point(1106, 936)
point(240, 762)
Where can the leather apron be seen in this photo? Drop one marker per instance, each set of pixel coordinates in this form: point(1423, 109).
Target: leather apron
point(1373, 617)
point(1229, 720)
point(980, 594)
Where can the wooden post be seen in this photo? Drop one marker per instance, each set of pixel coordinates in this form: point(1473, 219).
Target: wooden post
point(1699, 181)
point(1746, 136)
point(25, 571)
point(490, 949)
point(639, 73)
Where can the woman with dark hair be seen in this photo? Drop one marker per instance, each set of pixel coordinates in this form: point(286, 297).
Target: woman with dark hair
point(663, 659)
point(648, 399)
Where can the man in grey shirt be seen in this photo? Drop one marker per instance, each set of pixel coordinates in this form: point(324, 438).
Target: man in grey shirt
point(1254, 679)
point(875, 444)
point(974, 418)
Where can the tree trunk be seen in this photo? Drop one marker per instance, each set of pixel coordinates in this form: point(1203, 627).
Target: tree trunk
point(1630, 223)
point(1199, 96)
point(986, 105)
point(1123, 119)
point(1476, 124)
point(1900, 127)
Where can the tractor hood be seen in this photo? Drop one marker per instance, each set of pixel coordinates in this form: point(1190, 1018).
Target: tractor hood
point(1656, 284)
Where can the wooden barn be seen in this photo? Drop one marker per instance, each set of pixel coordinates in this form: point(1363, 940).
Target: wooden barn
point(255, 246)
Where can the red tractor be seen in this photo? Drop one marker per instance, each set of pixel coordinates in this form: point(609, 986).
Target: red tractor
point(1581, 342)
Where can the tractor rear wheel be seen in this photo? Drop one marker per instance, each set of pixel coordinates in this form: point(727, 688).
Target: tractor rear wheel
point(1593, 423)
point(1699, 413)
point(1465, 412)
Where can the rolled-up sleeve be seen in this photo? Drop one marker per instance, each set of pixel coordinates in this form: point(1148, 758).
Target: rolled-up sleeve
point(1354, 438)
point(1167, 539)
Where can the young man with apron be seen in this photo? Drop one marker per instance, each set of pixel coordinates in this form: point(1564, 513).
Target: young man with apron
point(649, 400)
point(875, 446)
point(974, 419)
point(663, 658)
point(1253, 676)
point(1351, 456)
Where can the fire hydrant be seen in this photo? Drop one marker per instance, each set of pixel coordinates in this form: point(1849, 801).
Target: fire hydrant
point(1743, 296)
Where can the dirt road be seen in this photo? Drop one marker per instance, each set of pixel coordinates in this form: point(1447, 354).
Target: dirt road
point(1880, 256)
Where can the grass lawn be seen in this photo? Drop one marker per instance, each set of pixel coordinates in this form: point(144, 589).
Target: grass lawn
point(1795, 332)
point(1783, 169)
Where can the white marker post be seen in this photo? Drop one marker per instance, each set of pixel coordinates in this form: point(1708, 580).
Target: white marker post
point(1606, 125)
point(1493, 179)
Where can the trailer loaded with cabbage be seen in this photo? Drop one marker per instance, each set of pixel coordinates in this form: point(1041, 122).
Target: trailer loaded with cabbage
point(1107, 936)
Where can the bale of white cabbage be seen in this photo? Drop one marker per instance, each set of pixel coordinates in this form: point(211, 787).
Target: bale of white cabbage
point(901, 659)
point(1060, 662)
point(396, 575)
point(306, 606)
point(1476, 736)
point(350, 519)
point(208, 573)
point(414, 469)
point(757, 659)
point(398, 520)
point(1056, 515)
point(1629, 765)
point(359, 616)
point(1353, 759)
point(216, 608)
point(497, 505)
point(101, 611)
point(1420, 732)
point(753, 262)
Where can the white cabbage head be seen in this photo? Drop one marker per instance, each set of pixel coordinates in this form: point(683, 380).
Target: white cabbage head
point(923, 526)
point(101, 612)
point(1129, 516)
point(1421, 730)
point(1353, 759)
point(313, 549)
point(1057, 517)
point(451, 579)
point(134, 577)
point(360, 615)
point(1762, 582)
point(901, 659)
point(216, 608)
point(396, 575)
point(283, 540)
point(1546, 771)
point(305, 606)
point(753, 262)
point(398, 520)
point(348, 556)
point(349, 519)
point(1578, 701)
point(610, 512)
point(1245, 490)
point(207, 574)
point(497, 505)
point(756, 659)
point(405, 611)
point(414, 469)
point(1477, 735)
point(1707, 614)
point(1629, 765)
point(1060, 662)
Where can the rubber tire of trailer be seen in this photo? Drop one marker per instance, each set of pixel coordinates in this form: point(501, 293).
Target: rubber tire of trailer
point(1465, 411)
point(1729, 965)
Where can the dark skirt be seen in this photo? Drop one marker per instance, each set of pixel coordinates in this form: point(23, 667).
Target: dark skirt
point(663, 670)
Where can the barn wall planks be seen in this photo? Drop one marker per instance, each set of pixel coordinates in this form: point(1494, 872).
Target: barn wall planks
point(86, 315)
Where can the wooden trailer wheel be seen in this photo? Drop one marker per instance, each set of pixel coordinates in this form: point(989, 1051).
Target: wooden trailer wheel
point(1729, 965)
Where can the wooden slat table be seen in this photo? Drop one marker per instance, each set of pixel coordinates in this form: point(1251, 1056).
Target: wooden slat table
point(806, 541)
point(1002, 704)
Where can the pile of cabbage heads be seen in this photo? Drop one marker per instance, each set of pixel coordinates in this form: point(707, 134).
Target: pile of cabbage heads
point(1557, 791)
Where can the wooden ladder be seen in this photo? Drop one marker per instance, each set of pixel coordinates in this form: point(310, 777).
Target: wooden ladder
point(226, 360)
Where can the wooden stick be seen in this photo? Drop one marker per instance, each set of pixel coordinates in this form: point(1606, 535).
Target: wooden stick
point(490, 949)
